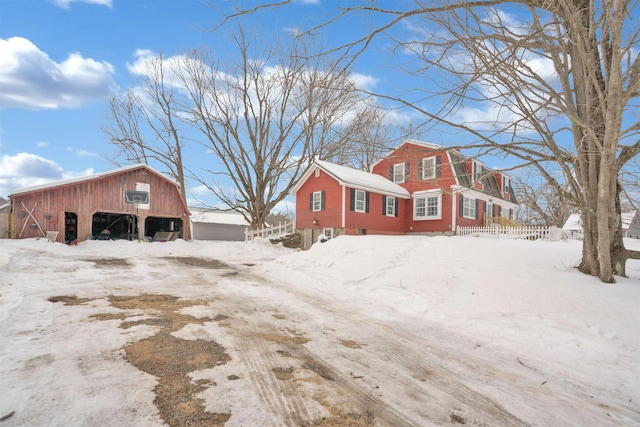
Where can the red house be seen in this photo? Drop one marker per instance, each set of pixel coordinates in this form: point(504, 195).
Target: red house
point(418, 188)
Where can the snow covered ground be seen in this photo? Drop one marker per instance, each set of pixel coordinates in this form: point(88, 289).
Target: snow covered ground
point(512, 321)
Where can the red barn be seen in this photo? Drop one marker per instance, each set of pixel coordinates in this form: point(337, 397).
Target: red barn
point(130, 202)
point(417, 188)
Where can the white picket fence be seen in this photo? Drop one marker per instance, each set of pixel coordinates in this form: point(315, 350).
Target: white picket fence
point(269, 232)
point(529, 233)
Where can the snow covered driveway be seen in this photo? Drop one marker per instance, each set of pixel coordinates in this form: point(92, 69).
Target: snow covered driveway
point(139, 334)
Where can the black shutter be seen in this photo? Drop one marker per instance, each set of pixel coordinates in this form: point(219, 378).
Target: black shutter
point(322, 200)
point(406, 172)
point(384, 205)
point(461, 205)
point(311, 202)
point(366, 202)
point(420, 166)
point(395, 200)
point(352, 203)
point(477, 207)
point(438, 166)
point(391, 173)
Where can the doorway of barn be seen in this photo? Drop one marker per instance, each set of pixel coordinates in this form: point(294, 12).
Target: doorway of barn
point(113, 226)
point(70, 227)
point(171, 228)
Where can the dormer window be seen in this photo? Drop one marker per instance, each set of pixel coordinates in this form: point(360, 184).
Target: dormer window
point(506, 184)
point(476, 171)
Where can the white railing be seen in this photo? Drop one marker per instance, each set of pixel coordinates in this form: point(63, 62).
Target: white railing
point(269, 232)
point(496, 232)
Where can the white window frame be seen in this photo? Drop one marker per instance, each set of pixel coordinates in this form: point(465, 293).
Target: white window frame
point(328, 232)
point(399, 172)
point(317, 201)
point(317, 172)
point(476, 171)
point(429, 164)
point(468, 207)
point(506, 183)
point(390, 209)
point(428, 198)
point(360, 205)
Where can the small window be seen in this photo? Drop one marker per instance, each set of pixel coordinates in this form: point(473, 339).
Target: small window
point(328, 232)
point(360, 201)
point(317, 172)
point(398, 173)
point(429, 166)
point(317, 201)
point(428, 206)
point(391, 206)
point(468, 207)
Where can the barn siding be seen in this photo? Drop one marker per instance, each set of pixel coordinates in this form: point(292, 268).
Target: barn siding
point(105, 193)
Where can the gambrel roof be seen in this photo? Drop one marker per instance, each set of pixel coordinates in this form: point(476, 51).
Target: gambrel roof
point(487, 177)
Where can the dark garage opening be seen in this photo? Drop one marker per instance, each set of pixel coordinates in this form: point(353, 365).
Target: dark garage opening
point(154, 224)
point(70, 224)
point(111, 226)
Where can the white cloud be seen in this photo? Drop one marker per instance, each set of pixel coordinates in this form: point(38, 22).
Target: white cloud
point(65, 4)
point(364, 81)
point(30, 79)
point(26, 169)
point(42, 144)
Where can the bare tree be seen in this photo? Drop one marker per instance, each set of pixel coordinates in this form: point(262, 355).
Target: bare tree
point(369, 136)
point(558, 78)
point(540, 203)
point(143, 123)
point(265, 116)
point(630, 182)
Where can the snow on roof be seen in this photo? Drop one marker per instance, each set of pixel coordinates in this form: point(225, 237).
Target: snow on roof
point(573, 223)
point(80, 179)
point(627, 219)
point(215, 216)
point(423, 144)
point(358, 179)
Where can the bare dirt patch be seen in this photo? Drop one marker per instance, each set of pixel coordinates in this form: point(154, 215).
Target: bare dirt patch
point(109, 262)
point(191, 261)
point(167, 357)
point(69, 300)
point(285, 339)
point(351, 344)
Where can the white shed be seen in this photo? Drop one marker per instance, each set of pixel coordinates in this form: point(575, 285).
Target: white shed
point(631, 224)
point(215, 224)
point(573, 227)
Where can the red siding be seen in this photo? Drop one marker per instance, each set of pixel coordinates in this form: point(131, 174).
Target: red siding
point(374, 221)
point(103, 194)
point(331, 216)
point(413, 154)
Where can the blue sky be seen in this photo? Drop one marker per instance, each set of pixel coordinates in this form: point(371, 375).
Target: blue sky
point(61, 60)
